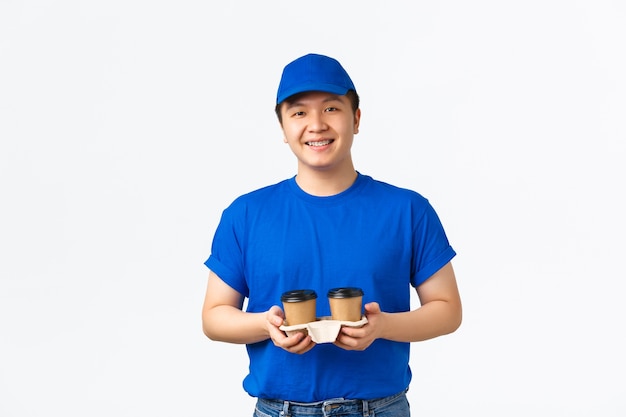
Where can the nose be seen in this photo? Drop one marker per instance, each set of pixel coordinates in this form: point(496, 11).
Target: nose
point(317, 122)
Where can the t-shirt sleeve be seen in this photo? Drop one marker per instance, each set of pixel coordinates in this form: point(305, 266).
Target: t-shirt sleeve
point(226, 258)
point(432, 249)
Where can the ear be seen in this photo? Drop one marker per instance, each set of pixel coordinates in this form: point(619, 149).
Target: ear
point(357, 120)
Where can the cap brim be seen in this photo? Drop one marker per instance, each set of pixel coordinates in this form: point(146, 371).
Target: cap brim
point(306, 87)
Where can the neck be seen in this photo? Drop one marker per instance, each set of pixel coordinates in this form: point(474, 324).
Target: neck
point(326, 183)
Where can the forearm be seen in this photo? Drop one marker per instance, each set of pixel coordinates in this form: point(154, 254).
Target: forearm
point(226, 323)
point(431, 320)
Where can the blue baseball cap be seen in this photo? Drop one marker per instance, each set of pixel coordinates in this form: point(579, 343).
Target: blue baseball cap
point(313, 72)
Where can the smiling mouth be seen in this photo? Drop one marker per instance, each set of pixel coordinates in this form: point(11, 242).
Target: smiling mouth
point(320, 142)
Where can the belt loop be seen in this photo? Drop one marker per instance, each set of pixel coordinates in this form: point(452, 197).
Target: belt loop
point(285, 411)
point(366, 410)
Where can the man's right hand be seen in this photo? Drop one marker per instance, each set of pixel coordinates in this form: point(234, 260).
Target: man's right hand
point(298, 342)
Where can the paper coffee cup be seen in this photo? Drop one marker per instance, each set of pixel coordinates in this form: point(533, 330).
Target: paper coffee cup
point(346, 303)
point(299, 306)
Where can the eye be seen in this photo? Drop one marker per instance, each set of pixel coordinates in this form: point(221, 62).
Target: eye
point(331, 109)
point(298, 114)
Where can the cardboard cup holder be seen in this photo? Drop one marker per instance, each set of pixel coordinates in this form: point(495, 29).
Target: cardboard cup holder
point(324, 329)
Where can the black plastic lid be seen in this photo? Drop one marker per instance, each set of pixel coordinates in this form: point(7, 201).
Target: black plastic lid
point(295, 296)
point(345, 292)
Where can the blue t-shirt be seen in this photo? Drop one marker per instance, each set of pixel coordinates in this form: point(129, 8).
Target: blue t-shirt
point(373, 235)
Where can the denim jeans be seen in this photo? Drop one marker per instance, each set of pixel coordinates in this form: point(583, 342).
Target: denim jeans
point(393, 406)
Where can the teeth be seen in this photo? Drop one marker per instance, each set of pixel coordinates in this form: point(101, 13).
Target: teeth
point(320, 143)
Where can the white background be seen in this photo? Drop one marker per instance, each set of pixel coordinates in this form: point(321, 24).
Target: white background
point(126, 127)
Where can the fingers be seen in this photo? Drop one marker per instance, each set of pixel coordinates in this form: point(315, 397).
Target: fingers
point(275, 316)
point(304, 345)
point(372, 308)
point(298, 342)
point(358, 338)
point(347, 342)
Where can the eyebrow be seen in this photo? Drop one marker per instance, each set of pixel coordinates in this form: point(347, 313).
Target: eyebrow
point(298, 103)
